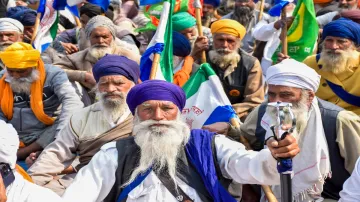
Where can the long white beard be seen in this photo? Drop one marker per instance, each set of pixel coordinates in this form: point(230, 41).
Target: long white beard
point(23, 85)
point(337, 62)
point(4, 45)
point(227, 60)
point(159, 145)
point(113, 108)
point(99, 51)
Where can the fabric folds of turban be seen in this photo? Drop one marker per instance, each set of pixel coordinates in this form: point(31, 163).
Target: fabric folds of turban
point(353, 15)
point(182, 20)
point(343, 28)
point(322, 1)
point(155, 90)
point(9, 24)
point(25, 56)
point(23, 14)
point(9, 144)
point(100, 21)
point(292, 73)
point(92, 10)
point(116, 65)
point(182, 46)
point(228, 26)
point(215, 3)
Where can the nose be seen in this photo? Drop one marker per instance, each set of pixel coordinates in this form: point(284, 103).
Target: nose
point(158, 114)
point(333, 46)
point(15, 75)
point(111, 88)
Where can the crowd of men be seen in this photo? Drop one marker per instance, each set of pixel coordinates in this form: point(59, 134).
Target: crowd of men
point(78, 124)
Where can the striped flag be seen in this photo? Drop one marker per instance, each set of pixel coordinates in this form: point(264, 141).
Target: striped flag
point(160, 43)
point(206, 101)
point(104, 4)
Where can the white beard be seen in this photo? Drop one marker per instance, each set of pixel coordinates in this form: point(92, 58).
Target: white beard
point(23, 85)
point(159, 145)
point(98, 51)
point(339, 61)
point(4, 45)
point(227, 60)
point(113, 108)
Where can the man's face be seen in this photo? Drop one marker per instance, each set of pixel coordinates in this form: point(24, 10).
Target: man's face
point(84, 19)
point(208, 10)
point(244, 3)
point(348, 4)
point(101, 36)
point(284, 94)
point(9, 37)
point(28, 32)
point(114, 85)
point(225, 42)
point(19, 73)
point(189, 33)
point(336, 43)
point(157, 110)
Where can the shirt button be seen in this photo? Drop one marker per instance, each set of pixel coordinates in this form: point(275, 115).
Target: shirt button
point(324, 84)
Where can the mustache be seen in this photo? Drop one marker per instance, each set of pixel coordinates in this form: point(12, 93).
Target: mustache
point(223, 50)
point(104, 95)
point(7, 43)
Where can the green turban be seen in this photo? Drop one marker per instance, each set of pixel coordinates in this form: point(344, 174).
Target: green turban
point(182, 20)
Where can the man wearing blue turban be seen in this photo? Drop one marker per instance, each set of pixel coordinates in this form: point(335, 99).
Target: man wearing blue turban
point(338, 64)
point(209, 10)
point(26, 16)
point(165, 161)
point(90, 128)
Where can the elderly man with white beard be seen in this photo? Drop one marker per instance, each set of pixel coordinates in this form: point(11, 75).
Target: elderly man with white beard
point(10, 31)
point(327, 134)
point(165, 161)
point(239, 72)
point(100, 31)
point(37, 99)
point(92, 127)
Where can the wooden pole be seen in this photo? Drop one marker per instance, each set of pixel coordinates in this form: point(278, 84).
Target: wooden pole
point(78, 23)
point(154, 66)
point(199, 26)
point(36, 27)
point(284, 49)
point(262, 4)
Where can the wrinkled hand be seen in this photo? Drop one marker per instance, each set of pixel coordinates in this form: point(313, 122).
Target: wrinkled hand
point(201, 44)
point(280, 23)
point(89, 79)
point(3, 197)
point(282, 57)
point(219, 127)
point(286, 148)
point(30, 160)
point(70, 48)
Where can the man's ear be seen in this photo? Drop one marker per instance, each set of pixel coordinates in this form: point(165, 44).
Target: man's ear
point(311, 96)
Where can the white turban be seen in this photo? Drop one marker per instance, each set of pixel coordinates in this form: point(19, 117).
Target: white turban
point(292, 73)
point(9, 24)
point(9, 144)
point(100, 21)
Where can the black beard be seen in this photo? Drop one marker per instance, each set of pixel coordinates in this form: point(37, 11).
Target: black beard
point(243, 15)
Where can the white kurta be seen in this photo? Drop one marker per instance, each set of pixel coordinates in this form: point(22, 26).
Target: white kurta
point(351, 188)
point(94, 182)
point(23, 191)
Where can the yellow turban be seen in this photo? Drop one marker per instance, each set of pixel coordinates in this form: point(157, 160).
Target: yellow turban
point(227, 26)
point(22, 55)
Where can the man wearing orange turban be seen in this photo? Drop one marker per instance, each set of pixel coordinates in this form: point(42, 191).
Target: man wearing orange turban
point(31, 96)
point(239, 72)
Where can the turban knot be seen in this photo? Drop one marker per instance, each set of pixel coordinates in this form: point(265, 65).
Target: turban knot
point(9, 144)
point(228, 26)
point(9, 24)
point(343, 28)
point(292, 73)
point(182, 46)
point(155, 90)
point(215, 3)
point(23, 14)
point(182, 20)
point(100, 21)
point(116, 65)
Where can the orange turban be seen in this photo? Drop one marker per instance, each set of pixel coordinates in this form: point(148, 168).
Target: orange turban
point(227, 26)
point(21, 56)
point(322, 1)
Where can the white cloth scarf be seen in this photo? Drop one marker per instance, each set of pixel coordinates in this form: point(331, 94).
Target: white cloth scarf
point(312, 165)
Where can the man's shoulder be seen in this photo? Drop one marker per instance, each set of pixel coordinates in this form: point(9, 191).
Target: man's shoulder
point(311, 61)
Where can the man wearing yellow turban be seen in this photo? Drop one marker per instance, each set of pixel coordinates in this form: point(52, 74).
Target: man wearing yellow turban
point(239, 72)
point(31, 94)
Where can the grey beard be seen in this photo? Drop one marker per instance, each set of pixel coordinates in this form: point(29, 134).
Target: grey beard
point(227, 62)
point(159, 145)
point(113, 107)
point(23, 85)
point(98, 51)
point(243, 15)
point(339, 61)
point(4, 45)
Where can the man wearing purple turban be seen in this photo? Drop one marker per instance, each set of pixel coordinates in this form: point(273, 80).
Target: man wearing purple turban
point(90, 128)
point(165, 161)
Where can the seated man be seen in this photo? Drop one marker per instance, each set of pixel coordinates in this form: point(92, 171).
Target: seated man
point(20, 190)
point(100, 31)
point(90, 128)
point(318, 122)
point(36, 99)
point(27, 17)
point(239, 72)
point(164, 153)
point(11, 31)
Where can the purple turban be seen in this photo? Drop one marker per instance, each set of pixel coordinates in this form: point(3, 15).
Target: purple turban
point(214, 3)
point(155, 90)
point(116, 65)
point(343, 28)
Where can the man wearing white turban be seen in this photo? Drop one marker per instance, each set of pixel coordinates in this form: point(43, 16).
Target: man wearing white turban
point(20, 190)
point(328, 135)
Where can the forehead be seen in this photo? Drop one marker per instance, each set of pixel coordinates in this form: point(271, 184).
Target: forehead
point(8, 32)
point(335, 38)
point(280, 89)
point(100, 30)
point(157, 103)
point(224, 36)
point(112, 78)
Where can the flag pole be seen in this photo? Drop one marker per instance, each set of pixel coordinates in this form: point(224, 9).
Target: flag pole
point(78, 23)
point(36, 27)
point(197, 6)
point(262, 4)
point(154, 66)
point(284, 48)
